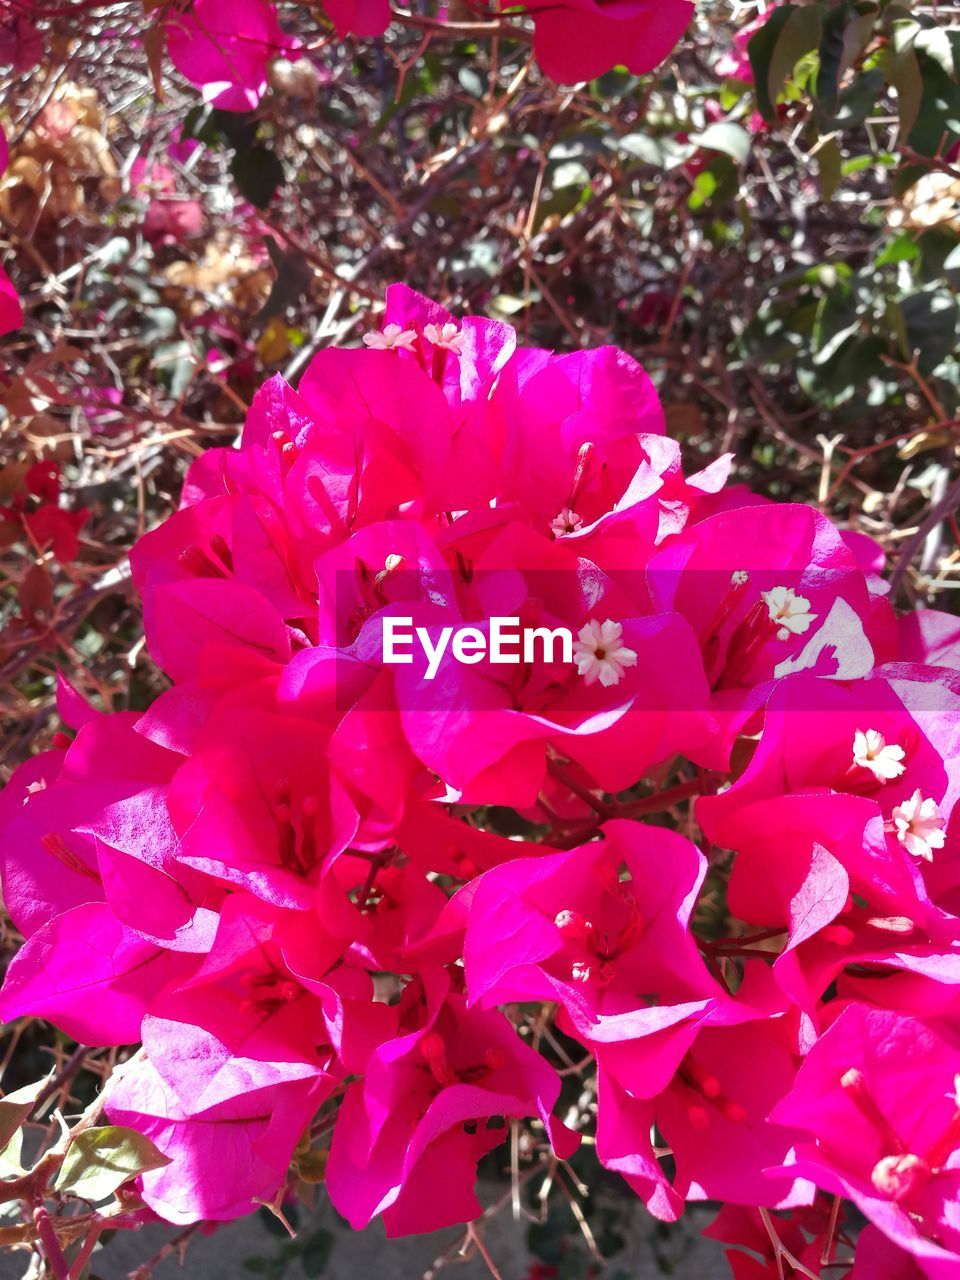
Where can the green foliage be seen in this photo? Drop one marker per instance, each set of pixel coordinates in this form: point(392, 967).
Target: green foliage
point(254, 166)
point(311, 1249)
point(854, 52)
point(99, 1161)
point(16, 1106)
point(839, 328)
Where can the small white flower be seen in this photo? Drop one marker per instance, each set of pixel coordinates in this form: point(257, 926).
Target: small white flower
point(739, 578)
point(920, 825)
point(390, 338)
point(599, 655)
point(872, 751)
point(566, 522)
point(447, 337)
point(790, 611)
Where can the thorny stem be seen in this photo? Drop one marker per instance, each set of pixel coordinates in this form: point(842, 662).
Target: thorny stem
point(781, 1253)
point(460, 30)
point(582, 792)
point(661, 800)
point(86, 1250)
point(177, 1245)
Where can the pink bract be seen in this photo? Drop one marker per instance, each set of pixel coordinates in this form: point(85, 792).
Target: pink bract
point(225, 48)
point(581, 39)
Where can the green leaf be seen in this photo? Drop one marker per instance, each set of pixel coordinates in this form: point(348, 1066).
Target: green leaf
point(317, 1249)
point(704, 185)
point(732, 139)
point(857, 101)
point(897, 328)
point(11, 1157)
point(507, 304)
point(570, 174)
point(16, 1106)
point(930, 317)
point(790, 32)
point(174, 364)
point(833, 47)
point(937, 125)
point(829, 168)
point(935, 43)
point(257, 173)
point(98, 1161)
point(901, 68)
point(902, 248)
point(471, 81)
point(662, 153)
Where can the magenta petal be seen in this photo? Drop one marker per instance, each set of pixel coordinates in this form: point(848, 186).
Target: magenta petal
point(89, 974)
point(223, 1160)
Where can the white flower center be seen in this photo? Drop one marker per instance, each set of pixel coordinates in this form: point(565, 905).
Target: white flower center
point(390, 338)
point(600, 654)
point(790, 611)
point(446, 336)
point(566, 522)
point(872, 751)
point(920, 826)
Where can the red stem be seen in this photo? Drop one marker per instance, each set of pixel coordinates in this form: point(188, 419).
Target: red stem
point(48, 1238)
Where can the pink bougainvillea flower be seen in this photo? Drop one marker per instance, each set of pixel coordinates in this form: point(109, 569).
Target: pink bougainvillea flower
point(582, 39)
point(805, 606)
point(223, 1159)
point(359, 17)
point(170, 216)
point(243, 996)
point(884, 737)
point(877, 1097)
point(847, 895)
point(90, 974)
point(410, 1135)
point(846, 881)
point(225, 49)
point(807, 1232)
point(877, 1259)
point(256, 807)
point(567, 927)
point(577, 431)
point(11, 308)
point(929, 636)
point(714, 1115)
point(735, 64)
point(295, 877)
point(465, 360)
point(58, 804)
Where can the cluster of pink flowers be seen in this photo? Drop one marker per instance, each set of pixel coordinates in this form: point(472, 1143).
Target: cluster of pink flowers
point(285, 880)
point(226, 46)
